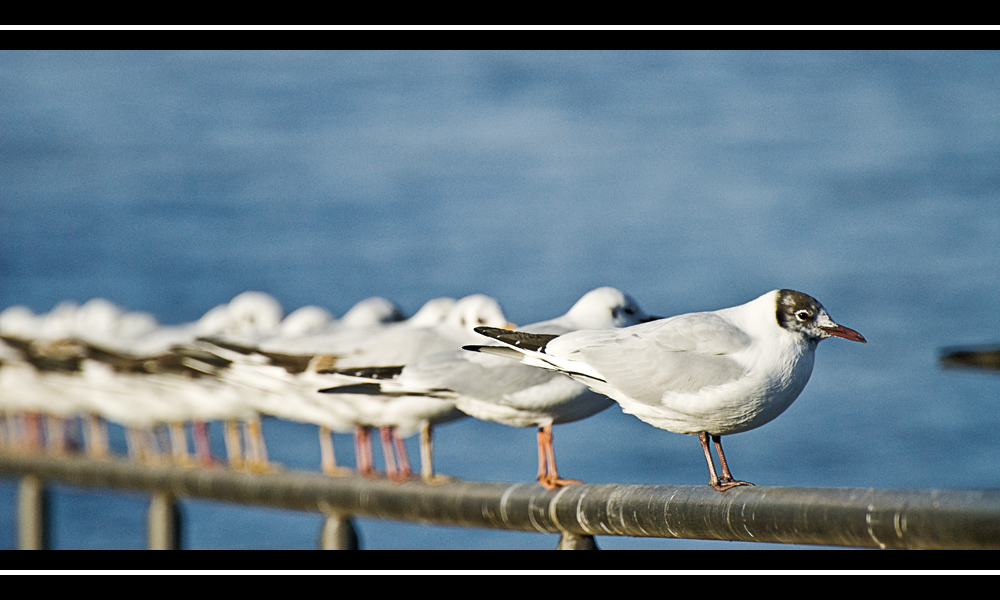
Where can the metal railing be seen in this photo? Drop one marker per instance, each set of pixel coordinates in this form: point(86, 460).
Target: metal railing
point(863, 518)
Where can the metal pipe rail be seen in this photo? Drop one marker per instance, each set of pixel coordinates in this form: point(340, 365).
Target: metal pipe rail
point(866, 518)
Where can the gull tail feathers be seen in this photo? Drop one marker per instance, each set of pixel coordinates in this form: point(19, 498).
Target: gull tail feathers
point(370, 389)
point(529, 348)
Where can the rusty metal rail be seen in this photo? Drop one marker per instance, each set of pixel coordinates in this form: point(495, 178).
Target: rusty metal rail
point(864, 518)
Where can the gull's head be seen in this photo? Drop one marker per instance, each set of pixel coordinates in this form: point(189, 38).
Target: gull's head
point(475, 311)
point(803, 314)
point(432, 313)
point(372, 312)
point(606, 307)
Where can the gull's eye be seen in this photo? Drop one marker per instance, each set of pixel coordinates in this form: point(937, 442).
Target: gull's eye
point(803, 315)
point(481, 321)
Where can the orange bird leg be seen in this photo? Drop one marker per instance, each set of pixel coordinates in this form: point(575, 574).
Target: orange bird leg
point(548, 475)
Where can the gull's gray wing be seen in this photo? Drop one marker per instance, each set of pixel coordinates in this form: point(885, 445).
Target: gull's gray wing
point(683, 354)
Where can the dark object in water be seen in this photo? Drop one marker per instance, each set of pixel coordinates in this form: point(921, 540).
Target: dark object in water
point(975, 357)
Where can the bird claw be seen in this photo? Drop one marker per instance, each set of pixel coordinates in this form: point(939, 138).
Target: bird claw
point(258, 467)
point(721, 485)
point(557, 482)
point(437, 479)
point(401, 477)
point(369, 473)
point(338, 472)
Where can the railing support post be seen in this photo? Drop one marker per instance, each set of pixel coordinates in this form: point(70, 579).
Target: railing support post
point(573, 541)
point(164, 522)
point(338, 533)
point(33, 514)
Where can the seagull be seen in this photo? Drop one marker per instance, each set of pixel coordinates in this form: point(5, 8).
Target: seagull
point(335, 337)
point(398, 417)
point(98, 361)
point(279, 375)
point(496, 389)
point(707, 373)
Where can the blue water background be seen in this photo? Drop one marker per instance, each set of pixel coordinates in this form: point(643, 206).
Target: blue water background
point(169, 182)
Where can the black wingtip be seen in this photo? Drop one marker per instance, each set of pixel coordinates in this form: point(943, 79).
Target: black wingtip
point(358, 388)
point(389, 372)
point(520, 339)
point(492, 332)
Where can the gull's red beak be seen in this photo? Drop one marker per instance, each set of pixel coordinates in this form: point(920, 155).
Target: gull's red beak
point(845, 332)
